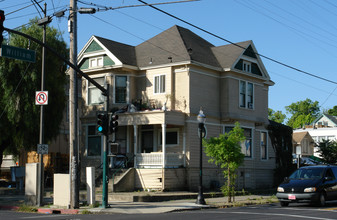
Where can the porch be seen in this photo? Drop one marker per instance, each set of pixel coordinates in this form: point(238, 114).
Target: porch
point(156, 160)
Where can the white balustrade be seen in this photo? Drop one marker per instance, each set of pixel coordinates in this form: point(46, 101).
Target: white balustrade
point(154, 160)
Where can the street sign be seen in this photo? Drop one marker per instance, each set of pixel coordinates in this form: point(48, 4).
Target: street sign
point(41, 98)
point(18, 53)
point(42, 148)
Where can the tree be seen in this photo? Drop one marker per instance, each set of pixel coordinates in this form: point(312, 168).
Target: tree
point(276, 116)
point(303, 112)
point(333, 111)
point(225, 151)
point(328, 151)
point(19, 80)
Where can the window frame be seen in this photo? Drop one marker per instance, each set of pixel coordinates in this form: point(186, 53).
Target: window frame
point(243, 143)
point(159, 87)
point(265, 145)
point(246, 95)
point(97, 63)
point(100, 137)
point(246, 66)
point(167, 131)
point(92, 87)
point(126, 89)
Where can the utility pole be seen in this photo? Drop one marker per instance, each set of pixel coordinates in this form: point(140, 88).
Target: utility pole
point(41, 136)
point(73, 105)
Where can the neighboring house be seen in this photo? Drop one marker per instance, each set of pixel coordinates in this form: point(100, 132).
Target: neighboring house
point(323, 128)
point(168, 78)
point(306, 142)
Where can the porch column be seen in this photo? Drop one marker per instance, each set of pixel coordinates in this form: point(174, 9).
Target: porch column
point(135, 143)
point(163, 138)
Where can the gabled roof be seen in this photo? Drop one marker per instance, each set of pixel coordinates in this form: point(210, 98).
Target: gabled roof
point(176, 44)
point(125, 53)
point(298, 136)
point(332, 118)
point(227, 55)
point(180, 46)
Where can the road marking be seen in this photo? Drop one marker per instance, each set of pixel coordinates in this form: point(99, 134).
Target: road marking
point(45, 216)
point(279, 214)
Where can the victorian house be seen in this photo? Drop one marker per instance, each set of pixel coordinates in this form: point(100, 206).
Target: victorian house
point(157, 88)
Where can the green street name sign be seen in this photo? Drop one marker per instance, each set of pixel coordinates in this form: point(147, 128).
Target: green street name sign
point(18, 53)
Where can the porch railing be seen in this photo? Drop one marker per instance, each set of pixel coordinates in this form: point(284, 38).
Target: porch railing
point(155, 160)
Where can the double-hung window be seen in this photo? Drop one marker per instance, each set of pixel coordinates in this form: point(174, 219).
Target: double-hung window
point(159, 84)
point(246, 97)
point(94, 147)
point(246, 145)
point(264, 151)
point(95, 96)
point(121, 89)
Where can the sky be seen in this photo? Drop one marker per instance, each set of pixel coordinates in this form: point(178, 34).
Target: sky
point(300, 34)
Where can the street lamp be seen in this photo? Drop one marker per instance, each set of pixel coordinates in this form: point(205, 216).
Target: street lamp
point(201, 119)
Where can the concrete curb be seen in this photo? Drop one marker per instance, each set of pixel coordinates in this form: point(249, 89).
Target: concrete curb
point(9, 207)
point(58, 211)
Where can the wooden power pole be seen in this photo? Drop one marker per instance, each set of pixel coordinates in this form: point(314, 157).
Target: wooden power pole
point(73, 105)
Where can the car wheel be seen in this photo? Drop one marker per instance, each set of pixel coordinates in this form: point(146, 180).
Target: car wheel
point(284, 204)
point(321, 201)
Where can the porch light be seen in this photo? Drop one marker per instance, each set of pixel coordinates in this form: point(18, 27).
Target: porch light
point(201, 119)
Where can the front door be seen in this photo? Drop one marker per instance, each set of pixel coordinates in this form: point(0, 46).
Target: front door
point(147, 142)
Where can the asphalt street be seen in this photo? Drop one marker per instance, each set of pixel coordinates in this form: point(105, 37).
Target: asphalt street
point(269, 211)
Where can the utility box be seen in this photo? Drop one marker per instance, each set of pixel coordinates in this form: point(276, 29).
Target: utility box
point(90, 171)
point(62, 190)
point(31, 183)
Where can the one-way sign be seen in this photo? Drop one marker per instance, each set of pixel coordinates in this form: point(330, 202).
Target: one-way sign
point(18, 53)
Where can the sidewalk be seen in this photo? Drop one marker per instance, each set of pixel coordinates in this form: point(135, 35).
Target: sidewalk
point(141, 203)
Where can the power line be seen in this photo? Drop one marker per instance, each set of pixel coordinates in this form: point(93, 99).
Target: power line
point(228, 41)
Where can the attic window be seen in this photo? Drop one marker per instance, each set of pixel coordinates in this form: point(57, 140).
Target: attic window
point(247, 66)
point(95, 62)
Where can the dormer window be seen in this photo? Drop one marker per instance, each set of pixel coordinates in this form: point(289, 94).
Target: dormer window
point(95, 62)
point(247, 66)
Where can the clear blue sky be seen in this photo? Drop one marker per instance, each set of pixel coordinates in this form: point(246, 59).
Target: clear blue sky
point(301, 33)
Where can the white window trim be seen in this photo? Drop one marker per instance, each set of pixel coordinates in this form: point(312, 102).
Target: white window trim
point(96, 60)
point(252, 130)
point(248, 64)
point(87, 145)
point(127, 89)
point(154, 84)
point(267, 155)
point(169, 130)
point(246, 95)
point(87, 88)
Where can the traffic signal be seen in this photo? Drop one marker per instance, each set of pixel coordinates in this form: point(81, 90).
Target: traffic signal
point(113, 123)
point(2, 19)
point(102, 123)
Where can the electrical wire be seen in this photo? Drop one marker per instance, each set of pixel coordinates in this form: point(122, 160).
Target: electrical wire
point(228, 41)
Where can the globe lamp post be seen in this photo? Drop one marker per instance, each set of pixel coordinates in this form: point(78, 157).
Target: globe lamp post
point(202, 131)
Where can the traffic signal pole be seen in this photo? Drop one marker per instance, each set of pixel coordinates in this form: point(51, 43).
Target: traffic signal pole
point(105, 154)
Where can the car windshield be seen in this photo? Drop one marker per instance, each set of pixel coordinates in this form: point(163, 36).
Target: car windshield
point(308, 173)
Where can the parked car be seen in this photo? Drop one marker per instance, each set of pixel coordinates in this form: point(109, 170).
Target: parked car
point(314, 184)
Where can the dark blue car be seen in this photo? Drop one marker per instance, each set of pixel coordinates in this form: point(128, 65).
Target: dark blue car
point(313, 184)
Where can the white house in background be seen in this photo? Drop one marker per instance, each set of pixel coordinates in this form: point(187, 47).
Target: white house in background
point(323, 128)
